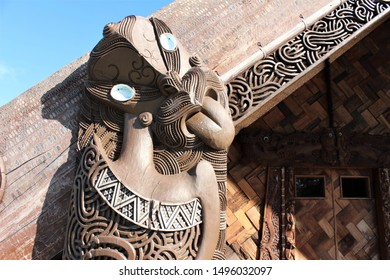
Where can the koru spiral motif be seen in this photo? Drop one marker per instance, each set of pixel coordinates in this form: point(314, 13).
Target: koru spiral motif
point(262, 80)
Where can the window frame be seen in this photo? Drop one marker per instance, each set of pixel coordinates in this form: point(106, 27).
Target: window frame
point(368, 186)
point(310, 197)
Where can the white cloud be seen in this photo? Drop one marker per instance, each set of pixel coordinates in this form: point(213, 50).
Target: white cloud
point(5, 71)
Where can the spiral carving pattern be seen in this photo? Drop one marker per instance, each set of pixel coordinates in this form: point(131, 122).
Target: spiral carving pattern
point(96, 231)
point(267, 76)
point(98, 226)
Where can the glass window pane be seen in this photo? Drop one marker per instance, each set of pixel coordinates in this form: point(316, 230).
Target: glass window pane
point(310, 187)
point(355, 187)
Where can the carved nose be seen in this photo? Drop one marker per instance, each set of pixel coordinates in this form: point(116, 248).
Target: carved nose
point(212, 124)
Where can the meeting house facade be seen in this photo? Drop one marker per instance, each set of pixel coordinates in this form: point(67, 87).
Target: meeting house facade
point(255, 130)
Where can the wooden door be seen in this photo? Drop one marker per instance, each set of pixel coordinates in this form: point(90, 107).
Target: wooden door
point(335, 214)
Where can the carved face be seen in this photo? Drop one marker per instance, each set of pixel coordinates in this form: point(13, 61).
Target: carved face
point(150, 71)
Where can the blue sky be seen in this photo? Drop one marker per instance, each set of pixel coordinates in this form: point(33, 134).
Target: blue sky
point(39, 37)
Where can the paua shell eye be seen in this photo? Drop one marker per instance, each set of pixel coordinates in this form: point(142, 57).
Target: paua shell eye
point(168, 41)
point(122, 92)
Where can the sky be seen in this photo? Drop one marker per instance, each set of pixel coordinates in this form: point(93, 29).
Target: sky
point(39, 37)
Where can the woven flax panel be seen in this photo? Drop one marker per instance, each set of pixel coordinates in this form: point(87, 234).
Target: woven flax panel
point(245, 195)
point(360, 91)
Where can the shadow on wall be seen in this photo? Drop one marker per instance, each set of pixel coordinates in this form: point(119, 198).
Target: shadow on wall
point(62, 103)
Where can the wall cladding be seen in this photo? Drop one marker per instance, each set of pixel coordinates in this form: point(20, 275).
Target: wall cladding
point(265, 79)
point(38, 134)
point(2, 178)
point(223, 33)
point(360, 93)
point(245, 205)
point(39, 127)
point(361, 101)
point(39, 150)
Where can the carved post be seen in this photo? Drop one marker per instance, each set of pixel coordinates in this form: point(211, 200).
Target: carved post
point(289, 231)
point(290, 246)
point(153, 139)
point(384, 181)
point(270, 245)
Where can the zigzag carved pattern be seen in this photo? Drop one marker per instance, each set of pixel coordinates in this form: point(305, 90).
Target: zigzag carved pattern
point(163, 216)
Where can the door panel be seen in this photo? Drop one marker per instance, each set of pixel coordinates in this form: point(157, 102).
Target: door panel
point(315, 221)
point(335, 227)
point(355, 219)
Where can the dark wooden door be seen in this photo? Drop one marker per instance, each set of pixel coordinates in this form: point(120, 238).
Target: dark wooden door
point(335, 214)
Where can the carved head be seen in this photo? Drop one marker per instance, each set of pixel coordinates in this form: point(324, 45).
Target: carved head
point(139, 66)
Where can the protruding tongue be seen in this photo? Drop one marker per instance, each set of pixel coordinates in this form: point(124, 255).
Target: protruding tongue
point(212, 124)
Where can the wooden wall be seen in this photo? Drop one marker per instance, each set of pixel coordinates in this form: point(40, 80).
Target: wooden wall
point(360, 86)
point(38, 129)
point(44, 146)
point(245, 205)
point(360, 91)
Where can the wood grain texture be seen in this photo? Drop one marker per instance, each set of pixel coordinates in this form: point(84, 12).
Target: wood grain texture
point(245, 202)
point(360, 91)
point(334, 227)
point(40, 177)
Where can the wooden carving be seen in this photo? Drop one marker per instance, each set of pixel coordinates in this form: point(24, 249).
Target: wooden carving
point(154, 131)
point(384, 174)
point(270, 248)
point(2, 178)
point(329, 147)
point(288, 219)
point(268, 75)
point(290, 245)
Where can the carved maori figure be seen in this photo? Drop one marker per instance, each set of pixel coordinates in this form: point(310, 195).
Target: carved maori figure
point(384, 179)
point(290, 232)
point(153, 139)
point(270, 248)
